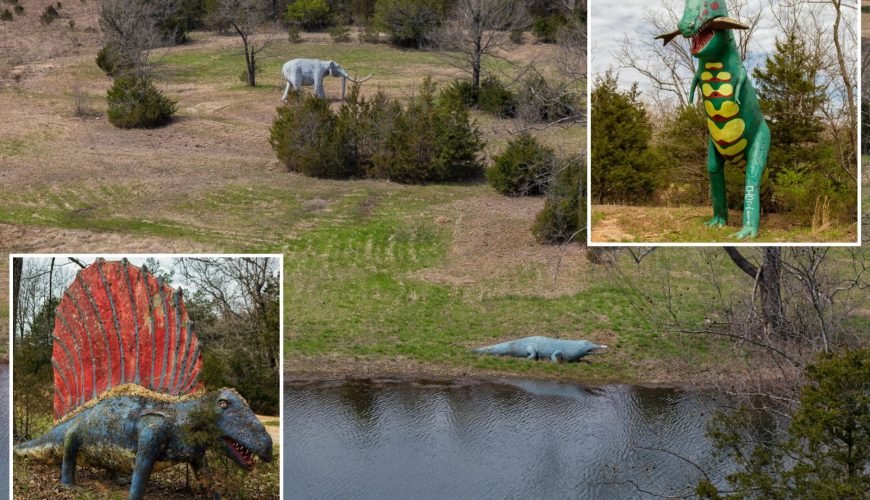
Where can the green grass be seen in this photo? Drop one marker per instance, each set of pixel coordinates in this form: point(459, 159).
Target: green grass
point(356, 251)
point(387, 63)
point(350, 292)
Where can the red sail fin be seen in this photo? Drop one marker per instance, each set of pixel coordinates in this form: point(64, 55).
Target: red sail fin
point(118, 324)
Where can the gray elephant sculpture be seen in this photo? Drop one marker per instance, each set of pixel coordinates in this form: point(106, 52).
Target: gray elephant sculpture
point(299, 72)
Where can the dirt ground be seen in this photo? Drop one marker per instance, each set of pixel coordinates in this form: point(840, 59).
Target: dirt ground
point(623, 223)
point(493, 243)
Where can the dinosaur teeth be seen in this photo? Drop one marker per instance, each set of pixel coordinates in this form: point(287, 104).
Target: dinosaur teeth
point(702, 37)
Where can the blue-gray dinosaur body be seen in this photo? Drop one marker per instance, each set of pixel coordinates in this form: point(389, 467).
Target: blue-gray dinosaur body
point(134, 430)
point(544, 347)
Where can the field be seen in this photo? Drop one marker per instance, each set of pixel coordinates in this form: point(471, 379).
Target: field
point(381, 278)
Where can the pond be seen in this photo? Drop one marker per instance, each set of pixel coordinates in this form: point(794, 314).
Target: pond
point(386, 438)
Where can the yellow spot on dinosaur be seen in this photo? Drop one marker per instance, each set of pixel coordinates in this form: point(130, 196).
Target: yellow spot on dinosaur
point(713, 65)
point(732, 149)
point(724, 90)
point(728, 133)
point(726, 110)
point(723, 75)
point(706, 76)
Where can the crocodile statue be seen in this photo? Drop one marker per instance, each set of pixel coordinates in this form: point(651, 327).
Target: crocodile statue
point(739, 136)
point(544, 347)
point(127, 399)
point(133, 430)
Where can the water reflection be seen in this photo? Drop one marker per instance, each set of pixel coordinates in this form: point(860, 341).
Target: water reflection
point(476, 439)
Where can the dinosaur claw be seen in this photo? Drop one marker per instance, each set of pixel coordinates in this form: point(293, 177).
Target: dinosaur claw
point(746, 233)
point(716, 222)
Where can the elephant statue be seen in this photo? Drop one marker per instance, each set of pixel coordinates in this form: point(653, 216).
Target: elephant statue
point(299, 72)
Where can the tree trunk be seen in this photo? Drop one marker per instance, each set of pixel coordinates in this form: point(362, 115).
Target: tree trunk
point(475, 62)
point(17, 268)
point(252, 71)
point(768, 277)
point(48, 311)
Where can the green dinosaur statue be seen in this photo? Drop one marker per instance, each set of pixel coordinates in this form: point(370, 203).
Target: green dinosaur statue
point(739, 136)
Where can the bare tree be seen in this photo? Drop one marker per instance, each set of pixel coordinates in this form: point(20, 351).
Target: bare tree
point(767, 279)
point(783, 309)
point(17, 269)
point(669, 68)
point(241, 291)
point(572, 41)
point(132, 29)
point(477, 29)
point(245, 18)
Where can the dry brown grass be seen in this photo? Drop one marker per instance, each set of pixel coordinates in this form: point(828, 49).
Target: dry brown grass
point(624, 223)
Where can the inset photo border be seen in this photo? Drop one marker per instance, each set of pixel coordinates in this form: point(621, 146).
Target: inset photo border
point(156, 373)
point(677, 150)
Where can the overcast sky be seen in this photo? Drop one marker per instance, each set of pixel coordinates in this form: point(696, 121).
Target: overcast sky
point(611, 21)
point(68, 269)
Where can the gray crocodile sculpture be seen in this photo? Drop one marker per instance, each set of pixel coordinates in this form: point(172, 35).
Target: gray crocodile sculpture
point(544, 347)
point(131, 429)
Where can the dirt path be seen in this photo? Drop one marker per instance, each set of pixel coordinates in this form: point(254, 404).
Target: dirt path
point(272, 426)
point(493, 251)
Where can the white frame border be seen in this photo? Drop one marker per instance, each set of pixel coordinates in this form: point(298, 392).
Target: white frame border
point(735, 243)
point(118, 256)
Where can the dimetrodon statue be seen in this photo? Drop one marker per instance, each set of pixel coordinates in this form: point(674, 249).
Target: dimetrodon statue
point(127, 398)
point(738, 134)
point(538, 347)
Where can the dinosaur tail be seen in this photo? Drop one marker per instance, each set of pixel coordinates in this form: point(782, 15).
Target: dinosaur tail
point(497, 349)
point(45, 449)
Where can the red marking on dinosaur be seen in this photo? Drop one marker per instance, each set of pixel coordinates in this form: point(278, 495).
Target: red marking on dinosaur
point(715, 6)
point(113, 313)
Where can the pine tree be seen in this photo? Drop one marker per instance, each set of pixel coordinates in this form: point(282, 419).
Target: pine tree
point(623, 166)
point(789, 93)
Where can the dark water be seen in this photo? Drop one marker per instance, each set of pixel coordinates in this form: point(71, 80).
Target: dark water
point(4, 431)
point(476, 439)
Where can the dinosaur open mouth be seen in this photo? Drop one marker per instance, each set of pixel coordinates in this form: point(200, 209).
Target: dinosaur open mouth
point(243, 456)
point(703, 36)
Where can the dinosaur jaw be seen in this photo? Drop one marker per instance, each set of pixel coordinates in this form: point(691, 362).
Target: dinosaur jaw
point(243, 456)
point(600, 349)
point(702, 37)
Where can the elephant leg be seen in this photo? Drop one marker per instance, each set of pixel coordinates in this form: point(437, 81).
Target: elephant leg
point(756, 160)
point(286, 91)
point(148, 449)
point(71, 444)
point(318, 87)
point(716, 168)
